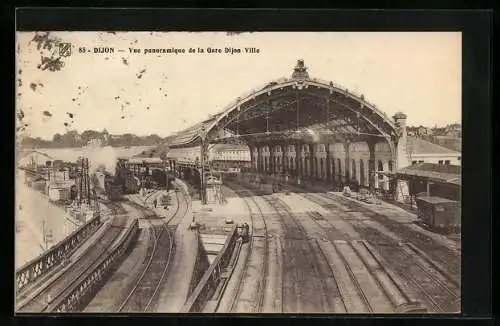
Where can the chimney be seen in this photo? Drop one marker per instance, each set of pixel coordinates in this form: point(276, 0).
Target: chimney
point(400, 120)
point(403, 151)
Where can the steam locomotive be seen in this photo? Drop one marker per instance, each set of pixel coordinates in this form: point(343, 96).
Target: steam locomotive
point(126, 182)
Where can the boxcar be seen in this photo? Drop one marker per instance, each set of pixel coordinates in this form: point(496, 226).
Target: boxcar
point(439, 213)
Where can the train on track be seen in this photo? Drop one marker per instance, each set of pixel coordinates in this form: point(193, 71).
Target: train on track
point(243, 232)
point(125, 182)
point(438, 213)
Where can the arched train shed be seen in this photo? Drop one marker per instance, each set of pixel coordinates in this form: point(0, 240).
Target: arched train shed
point(305, 127)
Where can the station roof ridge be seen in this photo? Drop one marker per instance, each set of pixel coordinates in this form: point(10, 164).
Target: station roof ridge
point(300, 79)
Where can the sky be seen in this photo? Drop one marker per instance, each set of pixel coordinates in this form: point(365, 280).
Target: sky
point(418, 73)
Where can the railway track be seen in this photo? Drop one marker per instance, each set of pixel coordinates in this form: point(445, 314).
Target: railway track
point(142, 296)
point(431, 281)
point(146, 287)
point(307, 284)
point(438, 252)
point(363, 284)
point(55, 288)
point(309, 293)
point(114, 207)
point(428, 282)
point(438, 288)
point(248, 296)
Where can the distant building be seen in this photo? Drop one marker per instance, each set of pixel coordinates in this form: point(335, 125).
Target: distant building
point(420, 131)
point(60, 190)
point(95, 142)
point(226, 156)
point(221, 156)
point(32, 158)
point(453, 130)
point(422, 151)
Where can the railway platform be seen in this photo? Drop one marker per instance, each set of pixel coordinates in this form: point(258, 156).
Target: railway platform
point(212, 217)
point(392, 211)
point(176, 289)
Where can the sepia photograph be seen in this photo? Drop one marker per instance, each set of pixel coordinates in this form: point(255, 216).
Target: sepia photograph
point(238, 172)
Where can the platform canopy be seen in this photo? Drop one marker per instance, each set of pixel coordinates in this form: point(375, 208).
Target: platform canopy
point(286, 109)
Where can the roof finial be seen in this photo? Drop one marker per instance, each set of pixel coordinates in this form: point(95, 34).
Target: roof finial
point(300, 70)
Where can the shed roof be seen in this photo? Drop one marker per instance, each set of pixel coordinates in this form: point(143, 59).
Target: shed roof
point(435, 200)
point(434, 172)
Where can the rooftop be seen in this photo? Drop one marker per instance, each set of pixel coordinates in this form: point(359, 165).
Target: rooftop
point(435, 200)
point(420, 146)
point(441, 173)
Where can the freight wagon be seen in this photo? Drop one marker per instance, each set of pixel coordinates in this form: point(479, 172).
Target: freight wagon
point(439, 213)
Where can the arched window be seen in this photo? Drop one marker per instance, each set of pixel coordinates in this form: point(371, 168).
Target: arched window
point(391, 166)
point(339, 167)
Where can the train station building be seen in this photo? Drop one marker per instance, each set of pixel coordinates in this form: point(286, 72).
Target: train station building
point(308, 128)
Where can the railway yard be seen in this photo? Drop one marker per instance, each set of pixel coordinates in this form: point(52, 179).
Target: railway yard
point(346, 259)
point(308, 252)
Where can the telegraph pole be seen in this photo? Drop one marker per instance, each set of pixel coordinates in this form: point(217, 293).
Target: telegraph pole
point(202, 161)
point(202, 176)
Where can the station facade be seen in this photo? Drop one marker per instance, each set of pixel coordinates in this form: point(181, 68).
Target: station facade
point(341, 163)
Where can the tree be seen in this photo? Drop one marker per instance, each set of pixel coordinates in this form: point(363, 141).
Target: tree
point(71, 139)
point(87, 135)
point(128, 139)
point(105, 136)
point(57, 138)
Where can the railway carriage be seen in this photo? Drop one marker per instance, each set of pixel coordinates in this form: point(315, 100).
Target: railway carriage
point(439, 213)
